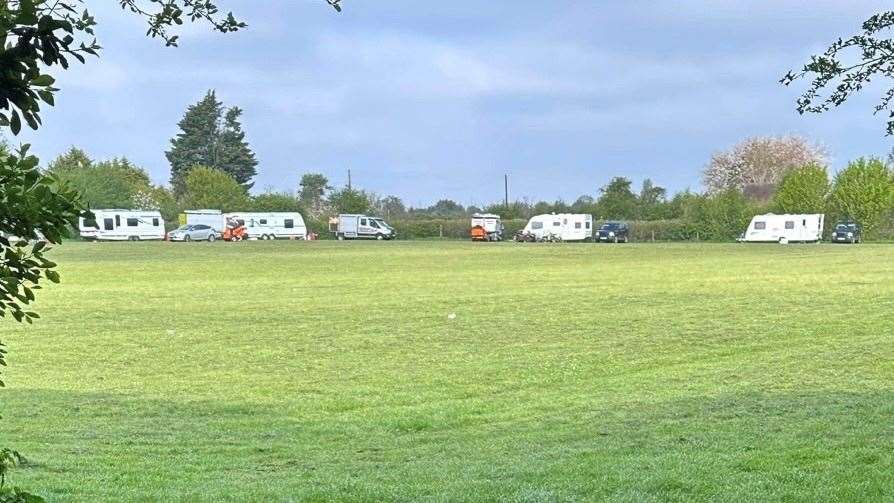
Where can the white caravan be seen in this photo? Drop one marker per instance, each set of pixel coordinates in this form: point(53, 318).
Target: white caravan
point(562, 226)
point(272, 225)
point(123, 225)
point(784, 229)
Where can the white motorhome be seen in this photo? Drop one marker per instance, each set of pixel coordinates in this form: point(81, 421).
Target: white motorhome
point(784, 229)
point(122, 225)
point(562, 226)
point(272, 225)
point(486, 227)
point(360, 227)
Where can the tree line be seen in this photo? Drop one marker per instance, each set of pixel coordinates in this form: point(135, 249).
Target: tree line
point(212, 166)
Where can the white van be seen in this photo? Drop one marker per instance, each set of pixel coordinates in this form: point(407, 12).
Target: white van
point(360, 227)
point(784, 229)
point(562, 226)
point(122, 225)
point(272, 225)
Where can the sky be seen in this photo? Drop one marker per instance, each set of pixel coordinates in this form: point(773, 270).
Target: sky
point(428, 100)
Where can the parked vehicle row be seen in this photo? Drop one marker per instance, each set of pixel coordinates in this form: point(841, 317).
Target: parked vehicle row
point(769, 228)
point(562, 227)
point(211, 225)
point(257, 225)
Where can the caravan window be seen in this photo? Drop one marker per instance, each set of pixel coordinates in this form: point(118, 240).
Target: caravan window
point(759, 226)
point(132, 222)
point(577, 225)
point(289, 223)
point(108, 224)
point(155, 222)
point(557, 224)
point(536, 225)
point(263, 221)
point(91, 222)
point(790, 224)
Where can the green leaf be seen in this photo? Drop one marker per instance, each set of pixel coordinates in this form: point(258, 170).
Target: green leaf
point(43, 81)
point(47, 97)
point(15, 123)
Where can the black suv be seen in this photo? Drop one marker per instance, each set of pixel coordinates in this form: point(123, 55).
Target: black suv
point(613, 232)
point(847, 232)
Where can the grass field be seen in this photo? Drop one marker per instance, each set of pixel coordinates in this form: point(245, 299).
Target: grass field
point(279, 371)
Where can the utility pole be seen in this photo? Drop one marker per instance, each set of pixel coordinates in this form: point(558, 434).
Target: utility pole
point(506, 189)
point(349, 179)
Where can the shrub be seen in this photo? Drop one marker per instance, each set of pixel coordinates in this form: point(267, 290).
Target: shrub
point(803, 190)
point(211, 188)
point(864, 191)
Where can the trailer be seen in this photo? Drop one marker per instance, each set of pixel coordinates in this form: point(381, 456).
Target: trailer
point(272, 225)
point(782, 229)
point(486, 227)
point(348, 226)
point(558, 227)
point(212, 218)
point(122, 225)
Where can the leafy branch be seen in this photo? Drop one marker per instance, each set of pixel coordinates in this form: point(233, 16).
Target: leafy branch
point(846, 67)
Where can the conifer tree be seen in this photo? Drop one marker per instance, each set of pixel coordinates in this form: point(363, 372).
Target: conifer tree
point(212, 136)
point(195, 144)
point(234, 156)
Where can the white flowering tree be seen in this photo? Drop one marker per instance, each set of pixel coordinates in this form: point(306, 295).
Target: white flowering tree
point(756, 165)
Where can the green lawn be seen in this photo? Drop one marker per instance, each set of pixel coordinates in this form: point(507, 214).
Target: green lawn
point(280, 371)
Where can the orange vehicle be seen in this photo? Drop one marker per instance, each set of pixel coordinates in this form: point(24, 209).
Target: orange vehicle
point(235, 230)
point(479, 234)
point(486, 227)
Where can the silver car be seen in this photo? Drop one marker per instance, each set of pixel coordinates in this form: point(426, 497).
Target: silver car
point(198, 232)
